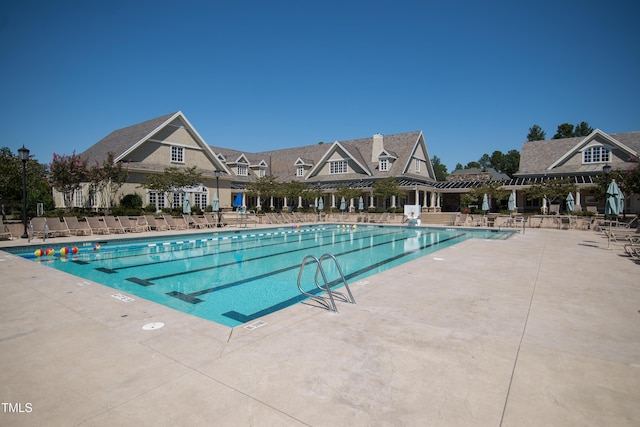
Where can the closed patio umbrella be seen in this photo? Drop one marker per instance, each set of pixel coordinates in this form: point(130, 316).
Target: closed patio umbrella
point(614, 197)
point(485, 203)
point(320, 204)
point(237, 202)
point(216, 204)
point(612, 205)
point(186, 206)
point(343, 204)
point(360, 204)
point(570, 203)
point(512, 202)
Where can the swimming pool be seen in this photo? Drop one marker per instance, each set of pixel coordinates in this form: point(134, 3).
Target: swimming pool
point(236, 277)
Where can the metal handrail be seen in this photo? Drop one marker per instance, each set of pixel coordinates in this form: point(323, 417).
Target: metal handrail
point(329, 301)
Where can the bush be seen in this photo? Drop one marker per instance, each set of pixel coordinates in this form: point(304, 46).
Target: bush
point(132, 201)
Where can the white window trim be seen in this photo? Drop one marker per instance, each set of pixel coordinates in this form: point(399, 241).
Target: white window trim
point(383, 165)
point(177, 154)
point(603, 155)
point(299, 170)
point(242, 170)
point(338, 167)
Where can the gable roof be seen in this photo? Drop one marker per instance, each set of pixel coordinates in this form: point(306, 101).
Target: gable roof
point(543, 157)
point(123, 141)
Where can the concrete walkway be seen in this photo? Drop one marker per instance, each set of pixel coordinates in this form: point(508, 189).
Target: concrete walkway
point(542, 329)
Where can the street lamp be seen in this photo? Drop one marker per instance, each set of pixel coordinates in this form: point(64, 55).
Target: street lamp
point(217, 174)
point(24, 156)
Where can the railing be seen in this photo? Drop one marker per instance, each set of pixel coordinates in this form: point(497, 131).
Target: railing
point(329, 300)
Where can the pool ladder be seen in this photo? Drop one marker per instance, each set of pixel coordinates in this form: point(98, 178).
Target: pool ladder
point(329, 300)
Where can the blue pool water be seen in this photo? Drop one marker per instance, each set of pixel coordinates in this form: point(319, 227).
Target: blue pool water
point(235, 277)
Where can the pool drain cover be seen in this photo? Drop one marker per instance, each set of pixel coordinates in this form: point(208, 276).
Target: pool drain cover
point(152, 326)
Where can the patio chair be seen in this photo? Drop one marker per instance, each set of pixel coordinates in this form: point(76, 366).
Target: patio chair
point(212, 220)
point(130, 225)
point(113, 224)
point(156, 223)
point(38, 227)
point(57, 227)
point(75, 228)
point(97, 225)
point(5, 234)
point(175, 223)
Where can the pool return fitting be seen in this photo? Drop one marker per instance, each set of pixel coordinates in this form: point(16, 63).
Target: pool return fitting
point(329, 300)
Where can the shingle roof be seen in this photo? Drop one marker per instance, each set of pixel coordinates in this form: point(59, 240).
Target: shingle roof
point(282, 161)
point(537, 156)
point(121, 140)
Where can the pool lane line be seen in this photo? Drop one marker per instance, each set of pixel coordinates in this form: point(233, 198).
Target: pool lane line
point(244, 318)
point(230, 250)
point(233, 262)
point(192, 296)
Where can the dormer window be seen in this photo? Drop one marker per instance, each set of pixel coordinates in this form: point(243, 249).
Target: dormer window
point(300, 171)
point(418, 165)
point(338, 167)
point(383, 165)
point(177, 154)
point(597, 154)
point(242, 170)
point(260, 173)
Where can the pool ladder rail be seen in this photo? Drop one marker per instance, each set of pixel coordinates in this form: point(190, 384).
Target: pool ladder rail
point(329, 300)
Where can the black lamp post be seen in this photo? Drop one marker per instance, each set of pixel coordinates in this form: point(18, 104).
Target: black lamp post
point(217, 174)
point(24, 156)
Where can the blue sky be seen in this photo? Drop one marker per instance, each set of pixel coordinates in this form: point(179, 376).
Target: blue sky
point(259, 75)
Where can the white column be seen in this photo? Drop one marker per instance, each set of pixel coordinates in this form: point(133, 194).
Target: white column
point(438, 201)
point(425, 200)
point(285, 203)
point(259, 203)
point(578, 203)
point(417, 192)
point(371, 201)
point(393, 202)
point(299, 201)
point(433, 200)
point(271, 203)
point(333, 200)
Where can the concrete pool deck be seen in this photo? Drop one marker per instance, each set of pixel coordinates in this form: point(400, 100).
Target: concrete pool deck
point(539, 329)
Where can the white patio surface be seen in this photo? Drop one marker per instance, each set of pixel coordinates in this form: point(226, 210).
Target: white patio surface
point(542, 329)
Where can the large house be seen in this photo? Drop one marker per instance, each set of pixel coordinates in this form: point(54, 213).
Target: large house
point(170, 140)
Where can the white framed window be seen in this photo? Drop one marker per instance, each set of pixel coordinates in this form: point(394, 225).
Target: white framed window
point(261, 173)
point(383, 165)
point(241, 170)
point(596, 154)
point(201, 199)
point(418, 165)
point(157, 199)
point(78, 198)
point(177, 154)
point(338, 166)
point(300, 171)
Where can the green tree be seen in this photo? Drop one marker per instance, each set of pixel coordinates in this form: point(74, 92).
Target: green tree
point(385, 188)
point(107, 179)
point(292, 190)
point(493, 191)
point(173, 180)
point(264, 187)
point(553, 190)
point(67, 175)
point(439, 169)
point(348, 193)
point(38, 188)
point(582, 129)
point(565, 130)
point(536, 134)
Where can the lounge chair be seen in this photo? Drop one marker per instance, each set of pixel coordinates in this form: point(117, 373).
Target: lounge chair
point(212, 220)
point(97, 225)
point(38, 227)
point(130, 225)
point(113, 224)
point(156, 223)
point(5, 234)
point(175, 223)
point(57, 227)
point(75, 227)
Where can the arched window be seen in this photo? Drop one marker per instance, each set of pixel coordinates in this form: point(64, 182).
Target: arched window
point(596, 154)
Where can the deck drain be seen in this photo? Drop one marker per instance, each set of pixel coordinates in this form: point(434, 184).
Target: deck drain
point(438, 259)
point(152, 326)
point(122, 298)
point(255, 325)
